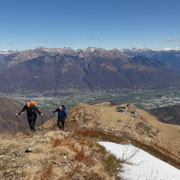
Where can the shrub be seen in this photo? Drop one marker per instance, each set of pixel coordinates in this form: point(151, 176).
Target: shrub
point(112, 164)
point(57, 142)
point(80, 156)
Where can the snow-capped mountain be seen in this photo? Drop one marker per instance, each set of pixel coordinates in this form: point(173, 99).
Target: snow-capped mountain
point(88, 68)
point(166, 55)
point(7, 52)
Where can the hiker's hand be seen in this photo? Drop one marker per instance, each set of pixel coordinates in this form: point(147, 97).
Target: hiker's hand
point(66, 120)
point(41, 114)
point(17, 114)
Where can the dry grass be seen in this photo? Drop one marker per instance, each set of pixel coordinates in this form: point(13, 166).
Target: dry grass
point(99, 135)
point(88, 152)
point(47, 171)
point(154, 149)
point(61, 155)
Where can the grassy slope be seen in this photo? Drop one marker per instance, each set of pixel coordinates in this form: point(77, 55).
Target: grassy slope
point(55, 155)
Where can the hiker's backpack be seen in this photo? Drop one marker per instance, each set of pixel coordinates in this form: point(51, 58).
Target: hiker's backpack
point(34, 103)
point(64, 107)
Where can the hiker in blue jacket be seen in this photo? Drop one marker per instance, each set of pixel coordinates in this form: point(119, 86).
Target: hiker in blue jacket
point(62, 116)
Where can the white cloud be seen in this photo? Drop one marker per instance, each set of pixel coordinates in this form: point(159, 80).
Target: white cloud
point(173, 39)
point(96, 38)
point(10, 44)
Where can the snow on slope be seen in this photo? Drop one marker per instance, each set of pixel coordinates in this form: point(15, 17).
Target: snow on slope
point(142, 165)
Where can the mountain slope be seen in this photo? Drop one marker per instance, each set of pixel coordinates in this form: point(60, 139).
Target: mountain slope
point(104, 69)
point(171, 57)
point(169, 114)
point(144, 129)
point(55, 155)
point(75, 154)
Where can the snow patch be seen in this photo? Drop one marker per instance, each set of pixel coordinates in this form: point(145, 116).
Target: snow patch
point(141, 165)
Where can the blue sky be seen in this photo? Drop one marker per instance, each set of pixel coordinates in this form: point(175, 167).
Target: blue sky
point(26, 24)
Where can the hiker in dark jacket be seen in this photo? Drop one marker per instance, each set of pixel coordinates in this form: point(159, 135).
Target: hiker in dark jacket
point(62, 116)
point(32, 111)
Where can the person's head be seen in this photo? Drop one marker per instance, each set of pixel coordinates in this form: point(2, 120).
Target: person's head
point(28, 103)
point(60, 107)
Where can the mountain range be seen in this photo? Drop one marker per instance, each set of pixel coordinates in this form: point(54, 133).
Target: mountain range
point(43, 69)
point(169, 56)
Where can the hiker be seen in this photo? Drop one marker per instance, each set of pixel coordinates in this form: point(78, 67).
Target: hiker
point(62, 116)
point(31, 109)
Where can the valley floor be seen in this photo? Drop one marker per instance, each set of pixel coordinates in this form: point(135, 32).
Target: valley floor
point(146, 99)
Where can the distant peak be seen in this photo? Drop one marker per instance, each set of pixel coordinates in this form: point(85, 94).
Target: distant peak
point(40, 47)
point(134, 49)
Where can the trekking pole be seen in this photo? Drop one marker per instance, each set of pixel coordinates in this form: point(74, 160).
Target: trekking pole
point(42, 123)
point(19, 123)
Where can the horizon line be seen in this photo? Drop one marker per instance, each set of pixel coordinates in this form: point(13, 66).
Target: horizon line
point(66, 47)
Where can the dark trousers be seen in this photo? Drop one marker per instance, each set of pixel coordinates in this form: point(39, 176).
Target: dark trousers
point(60, 122)
point(32, 121)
